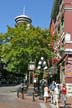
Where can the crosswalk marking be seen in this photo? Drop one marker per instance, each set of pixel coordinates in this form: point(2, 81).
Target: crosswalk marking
point(42, 105)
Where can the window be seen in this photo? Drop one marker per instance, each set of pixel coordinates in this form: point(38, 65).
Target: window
point(67, 37)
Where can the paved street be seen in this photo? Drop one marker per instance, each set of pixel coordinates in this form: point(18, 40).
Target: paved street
point(8, 99)
point(11, 101)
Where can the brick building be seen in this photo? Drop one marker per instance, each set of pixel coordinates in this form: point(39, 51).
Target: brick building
point(61, 25)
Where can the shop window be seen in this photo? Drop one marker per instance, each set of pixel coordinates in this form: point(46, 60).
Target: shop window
point(63, 71)
point(62, 23)
point(63, 43)
point(59, 31)
point(67, 37)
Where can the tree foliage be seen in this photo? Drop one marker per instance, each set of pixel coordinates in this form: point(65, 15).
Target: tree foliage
point(23, 45)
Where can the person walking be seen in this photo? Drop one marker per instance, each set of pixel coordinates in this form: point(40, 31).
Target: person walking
point(64, 92)
point(46, 93)
point(52, 87)
point(56, 95)
point(35, 85)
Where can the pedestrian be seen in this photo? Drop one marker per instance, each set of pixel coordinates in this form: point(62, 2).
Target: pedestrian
point(59, 88)
point(20, 89)
point(64, 92)
point(42, 84)
point(52, 87)
point(46, 89)
point(35, 85)
point(56, 95)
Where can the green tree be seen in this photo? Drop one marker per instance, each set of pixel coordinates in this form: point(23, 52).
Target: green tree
point(25, 44)
point(2, 39)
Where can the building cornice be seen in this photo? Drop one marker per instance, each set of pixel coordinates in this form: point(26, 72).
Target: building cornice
point(68, 9)
point(67, 49)
point(68, 42)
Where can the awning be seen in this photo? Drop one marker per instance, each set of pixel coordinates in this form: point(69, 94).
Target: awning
point(53, 69)
point(61, 59)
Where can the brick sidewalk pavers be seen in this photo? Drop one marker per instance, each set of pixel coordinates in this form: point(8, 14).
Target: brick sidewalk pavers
point(68, 103)
point(14, 102)
point(11, 101)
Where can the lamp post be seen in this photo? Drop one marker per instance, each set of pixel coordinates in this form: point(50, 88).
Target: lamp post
point(31, 68)
point(42, 66)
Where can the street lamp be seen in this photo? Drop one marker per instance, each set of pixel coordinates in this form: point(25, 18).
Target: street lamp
point(42, 66)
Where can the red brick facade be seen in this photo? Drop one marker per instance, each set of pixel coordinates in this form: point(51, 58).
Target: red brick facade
point(63, 45)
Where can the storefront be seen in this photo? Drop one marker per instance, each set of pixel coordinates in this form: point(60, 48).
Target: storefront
point(65, 65)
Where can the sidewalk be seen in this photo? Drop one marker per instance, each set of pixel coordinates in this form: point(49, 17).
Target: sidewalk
point(68, 103)
point(28, 101)
point(37, 103)
point(61, 105)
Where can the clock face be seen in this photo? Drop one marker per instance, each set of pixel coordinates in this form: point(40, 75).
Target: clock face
point(31, 67)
